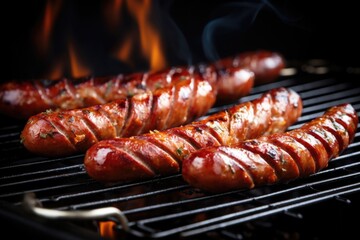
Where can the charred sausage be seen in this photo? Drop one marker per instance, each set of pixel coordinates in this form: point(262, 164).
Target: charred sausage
point(266, 65)
point(280, 157)
point(61, 133)
point(161, 152)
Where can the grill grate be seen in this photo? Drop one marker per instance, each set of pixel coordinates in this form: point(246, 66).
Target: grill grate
point(168, 207)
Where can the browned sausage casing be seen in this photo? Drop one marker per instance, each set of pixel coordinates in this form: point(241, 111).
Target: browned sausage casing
point(22, 99)
point(279, 157)
point(63, 133)
point(266, 65)
point(161, 152)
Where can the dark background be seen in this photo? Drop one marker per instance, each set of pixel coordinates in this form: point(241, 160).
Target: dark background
point(299, 30)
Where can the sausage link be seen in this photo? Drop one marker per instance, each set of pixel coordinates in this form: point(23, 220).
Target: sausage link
point(266, 65)
point(66, 132)
point(22, 99)
point(161, 152)
point(279, 157)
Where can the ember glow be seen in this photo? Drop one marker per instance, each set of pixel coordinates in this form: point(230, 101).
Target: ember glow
point(107, 229)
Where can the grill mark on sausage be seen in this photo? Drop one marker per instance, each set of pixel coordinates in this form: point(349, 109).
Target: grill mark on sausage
point(41, 91)
point(334, 129)
point(195, 91)
point(244, 167)
point(127, 106)
point(197, 136)
point(172, 96)
point(158, 144)
point(146, 121)
point(70, 89)
point(327, 139)
point(297, 151)
point(173, 159)
point(303, 146)
point(316, 149)
point(347, 122)
point(132, 157)
point(247, 115)
point(284, 165)
point(214, 131)
point(61, 129)
point(90, 126)
point(105, 113)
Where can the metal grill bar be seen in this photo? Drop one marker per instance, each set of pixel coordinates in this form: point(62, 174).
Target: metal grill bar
point(273, 209)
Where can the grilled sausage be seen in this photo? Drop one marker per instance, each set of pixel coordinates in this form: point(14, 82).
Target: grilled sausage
point(280, 157)
point(26, 98)
point(71, 131)
point(161, 152)
point(22, 99)
point(266, 65)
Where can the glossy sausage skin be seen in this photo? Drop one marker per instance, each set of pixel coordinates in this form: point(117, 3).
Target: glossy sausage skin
point(61, 133)
point(22, 99)
point(161, 152)
point(266, 65)
point(280, 157)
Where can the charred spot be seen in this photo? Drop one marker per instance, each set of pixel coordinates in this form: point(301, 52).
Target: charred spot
point(179, 151)
point(237, 116)
point(47, 134)
point(198, 129)
point(122, 104)
point(251, 142)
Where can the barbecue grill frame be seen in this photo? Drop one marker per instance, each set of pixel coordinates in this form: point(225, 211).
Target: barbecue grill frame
point(67, 187)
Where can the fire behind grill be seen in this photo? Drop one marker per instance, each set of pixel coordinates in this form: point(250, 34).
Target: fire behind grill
point(168, 207)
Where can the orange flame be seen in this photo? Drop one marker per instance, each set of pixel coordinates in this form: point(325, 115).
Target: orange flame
point(150, 41)
point(124, 53)
point(107, 229)
point(57, 71)
point(42, 38)
point(144, 40)
point(112, 14)
point(76, 68)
